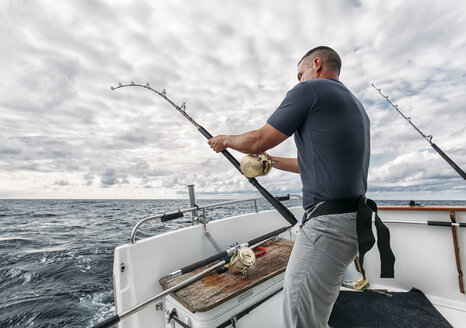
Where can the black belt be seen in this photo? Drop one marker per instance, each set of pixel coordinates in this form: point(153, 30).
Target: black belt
point(364, 208)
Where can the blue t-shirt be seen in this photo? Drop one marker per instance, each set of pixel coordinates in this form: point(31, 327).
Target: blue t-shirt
point(331, 131)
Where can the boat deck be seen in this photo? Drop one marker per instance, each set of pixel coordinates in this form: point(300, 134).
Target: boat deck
point(391, 309)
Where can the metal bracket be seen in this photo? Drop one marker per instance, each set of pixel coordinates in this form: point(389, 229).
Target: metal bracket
point(456, 247)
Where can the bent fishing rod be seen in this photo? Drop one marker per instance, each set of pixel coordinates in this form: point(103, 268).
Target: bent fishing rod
point(253, 243)
point(282, 209)
point(428, 138)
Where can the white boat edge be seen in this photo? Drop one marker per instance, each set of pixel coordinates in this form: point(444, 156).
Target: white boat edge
point(425, 259)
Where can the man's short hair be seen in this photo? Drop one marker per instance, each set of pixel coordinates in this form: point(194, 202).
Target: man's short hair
point(329, 57)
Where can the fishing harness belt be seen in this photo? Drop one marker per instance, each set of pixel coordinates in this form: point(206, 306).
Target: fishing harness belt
point(365, 209)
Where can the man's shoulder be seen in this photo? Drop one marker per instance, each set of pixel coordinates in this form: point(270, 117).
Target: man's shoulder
point(318, 85)
point(313, 85)
point(322, 82)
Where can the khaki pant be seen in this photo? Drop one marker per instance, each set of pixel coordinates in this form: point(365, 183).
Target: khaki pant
point(324, 248)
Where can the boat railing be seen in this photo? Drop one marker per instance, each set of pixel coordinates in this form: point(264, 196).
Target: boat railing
point(168, 216)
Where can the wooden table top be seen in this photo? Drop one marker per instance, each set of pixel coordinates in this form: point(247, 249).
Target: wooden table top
point(214, 289)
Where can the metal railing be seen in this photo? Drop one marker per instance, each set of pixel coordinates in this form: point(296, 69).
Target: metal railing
point(167, 216)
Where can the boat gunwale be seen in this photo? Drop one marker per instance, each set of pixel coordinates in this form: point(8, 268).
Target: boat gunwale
point(423, 208)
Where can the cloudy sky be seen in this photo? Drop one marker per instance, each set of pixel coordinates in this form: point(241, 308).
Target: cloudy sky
point(65, 134)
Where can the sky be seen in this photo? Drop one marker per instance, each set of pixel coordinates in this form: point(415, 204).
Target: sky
point(65, 134)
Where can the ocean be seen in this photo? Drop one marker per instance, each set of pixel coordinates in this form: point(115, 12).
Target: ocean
point(56, 256)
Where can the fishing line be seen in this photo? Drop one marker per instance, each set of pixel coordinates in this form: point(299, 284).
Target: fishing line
point(282, 209)
point(428, 138)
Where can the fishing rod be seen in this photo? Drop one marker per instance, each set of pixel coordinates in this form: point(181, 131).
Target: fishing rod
point(429, 223)
point(254, 242)
point(428, 138)
point(282, 209)
point(201, 263)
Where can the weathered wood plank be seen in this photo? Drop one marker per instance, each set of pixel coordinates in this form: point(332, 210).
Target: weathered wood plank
point(215, 289)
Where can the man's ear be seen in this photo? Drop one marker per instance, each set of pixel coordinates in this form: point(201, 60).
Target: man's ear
point(318, 64)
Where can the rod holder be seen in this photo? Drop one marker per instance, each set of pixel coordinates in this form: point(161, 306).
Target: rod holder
point(192, 200)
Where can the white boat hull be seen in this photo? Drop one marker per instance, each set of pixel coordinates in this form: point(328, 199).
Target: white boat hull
point(425, 259)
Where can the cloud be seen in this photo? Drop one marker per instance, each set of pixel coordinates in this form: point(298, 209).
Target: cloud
point(89, 178)
point(232, 65)
point(415, 171)
point(62, 183)
point(112, 177)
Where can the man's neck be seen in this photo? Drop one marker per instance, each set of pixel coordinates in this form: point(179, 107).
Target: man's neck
point(327, 74)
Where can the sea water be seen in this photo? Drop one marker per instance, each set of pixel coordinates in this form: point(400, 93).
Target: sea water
point(56, 256)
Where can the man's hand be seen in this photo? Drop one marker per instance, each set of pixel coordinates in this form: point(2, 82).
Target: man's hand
point(218, 143)
point(266, 155)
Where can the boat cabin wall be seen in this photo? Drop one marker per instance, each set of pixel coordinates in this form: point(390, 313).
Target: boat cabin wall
point(425, 256)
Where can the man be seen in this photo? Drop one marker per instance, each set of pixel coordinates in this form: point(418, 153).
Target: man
point(331, 131)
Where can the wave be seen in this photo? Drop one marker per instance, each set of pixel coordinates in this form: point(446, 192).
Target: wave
point(15, 276)
point(44, 215)
point(100, 304)
point(18, 242)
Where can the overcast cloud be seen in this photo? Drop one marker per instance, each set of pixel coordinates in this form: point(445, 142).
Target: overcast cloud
point(65, 134)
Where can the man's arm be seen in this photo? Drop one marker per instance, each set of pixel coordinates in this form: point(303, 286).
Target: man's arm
point(252, 142)
point(285, 164)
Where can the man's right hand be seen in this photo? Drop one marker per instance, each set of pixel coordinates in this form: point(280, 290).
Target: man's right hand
point(218, 143)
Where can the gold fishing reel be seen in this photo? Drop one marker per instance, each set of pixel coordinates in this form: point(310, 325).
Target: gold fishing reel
point(243, 259)
point(255, 165)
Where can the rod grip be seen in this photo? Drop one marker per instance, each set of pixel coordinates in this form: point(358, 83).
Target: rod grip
point(204, 132)
point(203, 262)
point(284, 211)
point(449, 161)
point(108, 322)
point(282, 198)
point(173, 216)
point(268, 235)
point(445, 224)
point(439, 223)
point(225, 153)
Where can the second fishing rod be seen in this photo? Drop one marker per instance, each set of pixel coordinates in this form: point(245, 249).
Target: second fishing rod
point(427, 138)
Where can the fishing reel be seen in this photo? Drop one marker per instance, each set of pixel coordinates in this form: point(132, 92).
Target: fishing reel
point(256, 165)
point(243, 259)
